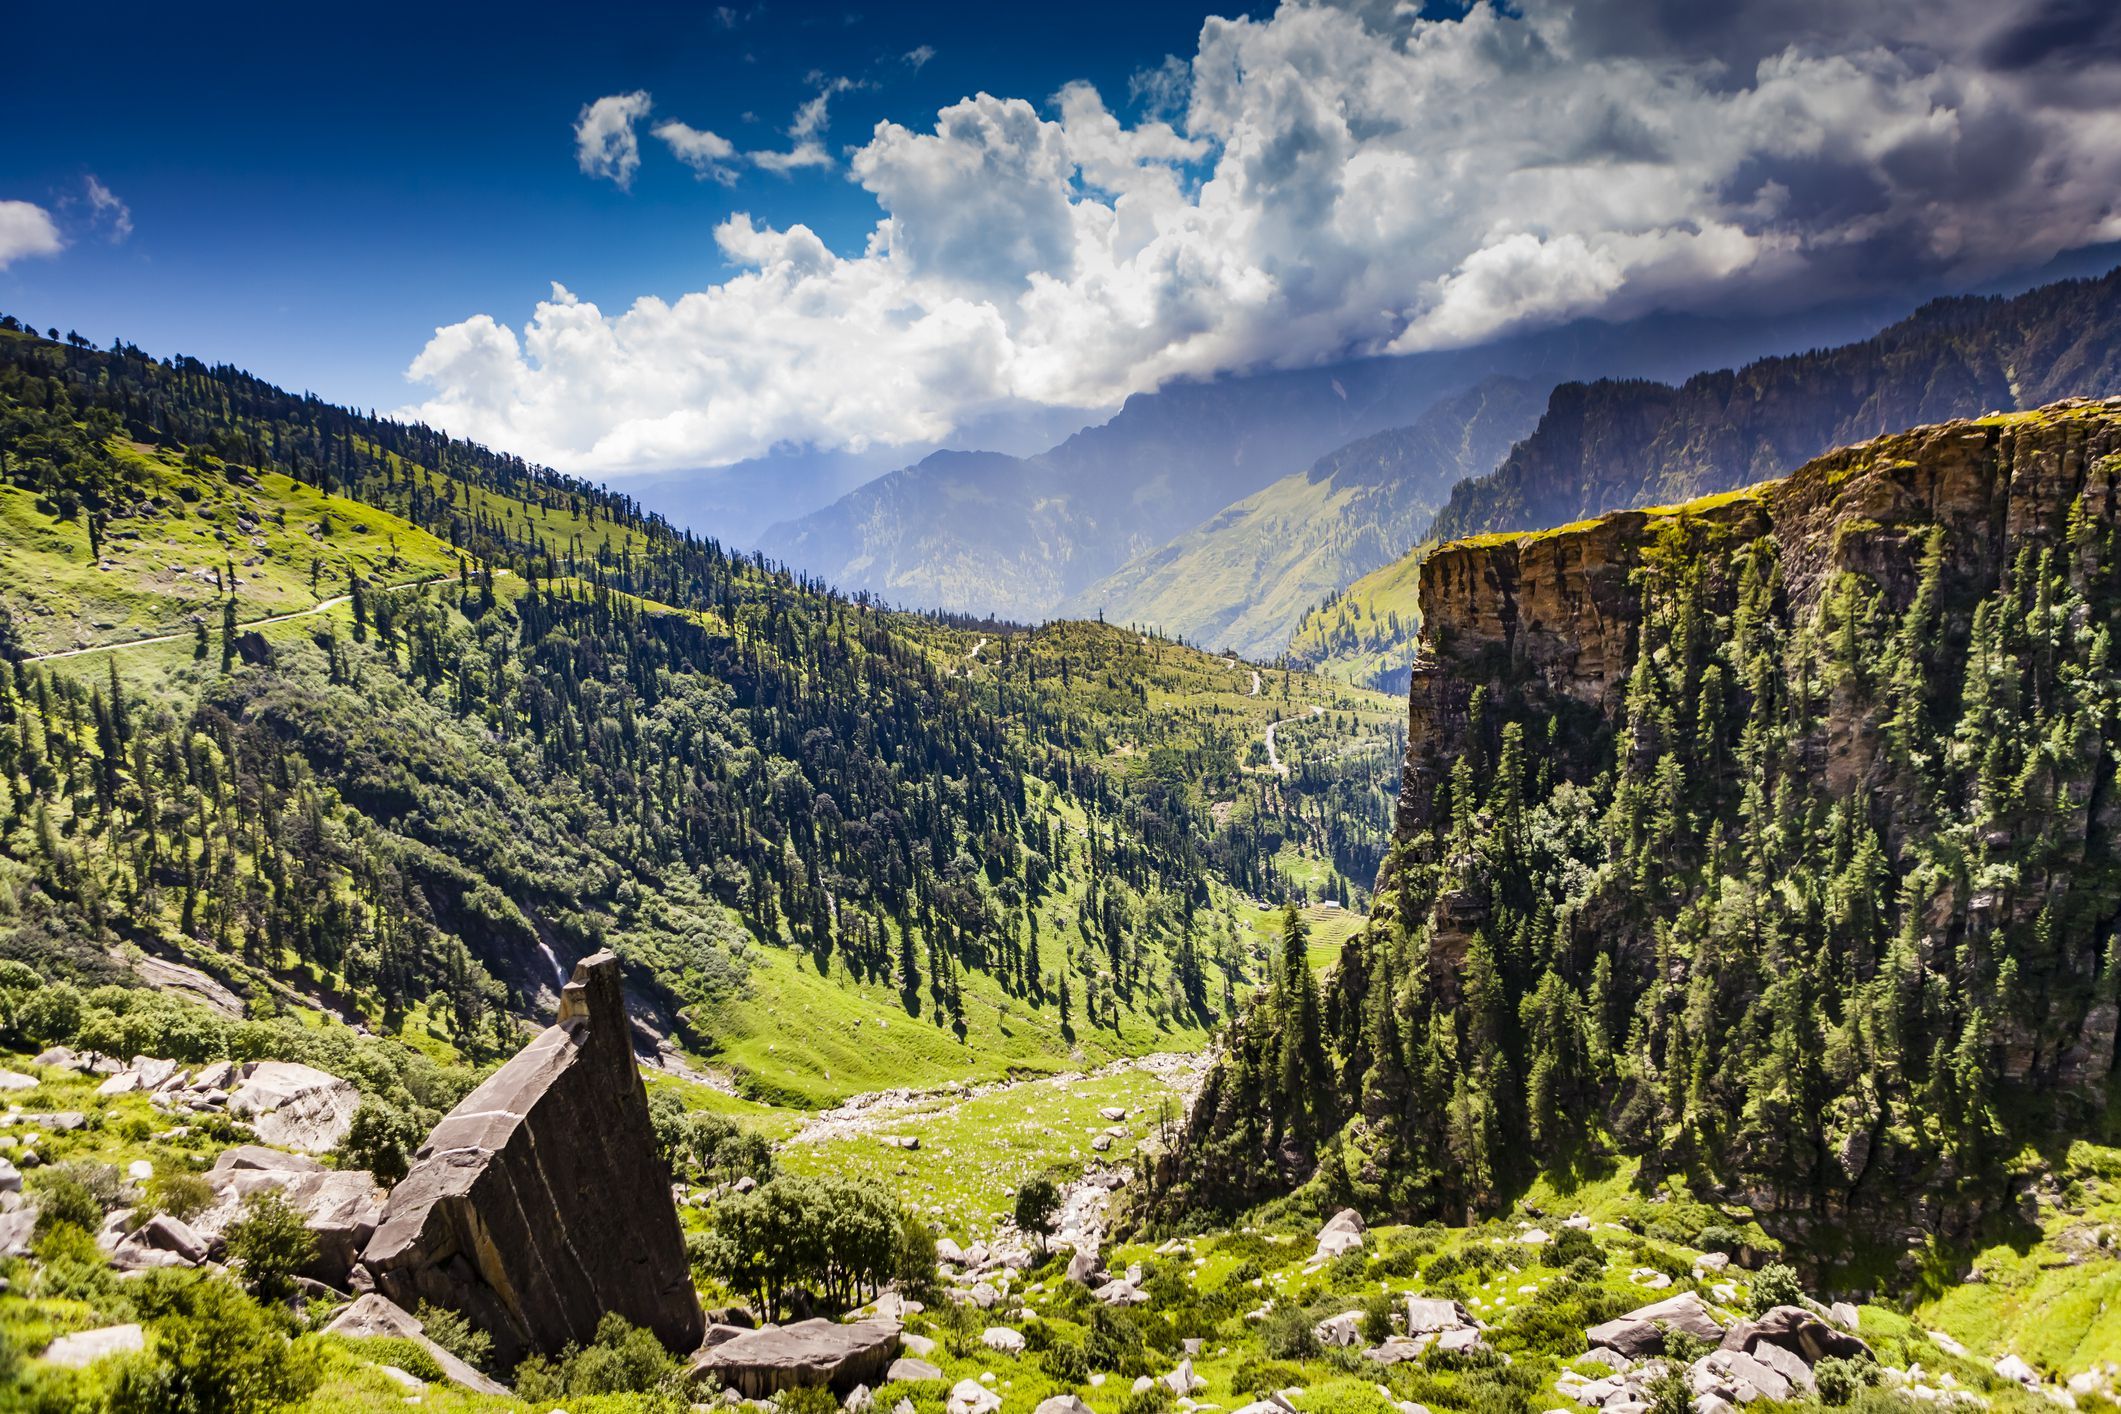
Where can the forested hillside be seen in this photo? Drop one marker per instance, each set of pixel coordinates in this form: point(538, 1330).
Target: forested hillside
point(1242, 579)
point(409, 726)
point(1772, 841)
point(1617, 443)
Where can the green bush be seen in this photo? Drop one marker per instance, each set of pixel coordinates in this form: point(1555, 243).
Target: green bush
point(273, 1244)
point(456, 1335)
point(63, 1200)
point(1840, 1379)
point(1377, 1318)
point(807, 1399)
point(181, 1195)
point(1256, 1376)
point(212, 1349)
point(1156, 1399)
point(621, 1359)
point(1286, 1334)
point(1064, 1362)
point(1718, 1237)
point(382, 1139)
point(1115, 1342)
point(1776, 1285)
point(1571, 1245)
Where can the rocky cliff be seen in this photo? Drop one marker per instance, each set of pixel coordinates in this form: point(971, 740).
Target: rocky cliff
point(1611, 444)
point(1773, 838)
point(539, 1203)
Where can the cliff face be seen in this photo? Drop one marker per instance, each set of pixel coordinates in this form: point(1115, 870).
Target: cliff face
point(1773, 839)
point(1629, 443)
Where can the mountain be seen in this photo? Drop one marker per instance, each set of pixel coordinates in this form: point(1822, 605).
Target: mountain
point(319, 714)
point(1769, 842)
point(1611, 444)
point(1243, 579)
point(1019, 536)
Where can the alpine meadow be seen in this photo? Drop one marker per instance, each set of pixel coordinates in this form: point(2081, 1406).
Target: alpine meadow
point(1323, 709)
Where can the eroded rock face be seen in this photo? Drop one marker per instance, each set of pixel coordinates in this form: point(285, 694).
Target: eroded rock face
point(538, 1203)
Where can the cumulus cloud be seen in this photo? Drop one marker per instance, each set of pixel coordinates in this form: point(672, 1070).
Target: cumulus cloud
point(605, 144)
point(26, 229)
point(709, 155)
point(1337, 180)
point(105, 209)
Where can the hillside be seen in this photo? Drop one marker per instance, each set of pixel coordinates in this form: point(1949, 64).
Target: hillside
point(381, 726)
point(1242, 579)
point(1768, 841)
point(1019, 537)
point(1613, 444)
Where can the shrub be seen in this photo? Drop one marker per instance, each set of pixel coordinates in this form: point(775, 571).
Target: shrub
point(1717, 1237)
point(621, 1359)
point(1286, 1334)
point(1065, 1363)
point(1037, 1200)
point(1377, 1318)
point(1841, 1379)
point(1776, 1285)
point(807, 1399)
point(1571, 1245)
point(182, 1196)
point(1156, 1399)
point(382, 1139)
point(63, 1200)
point(1670, 1393)
point(456, 1335)
point(213, 1349)
point(272, 1243)
point(1256, 1376)
point(1115, 1343)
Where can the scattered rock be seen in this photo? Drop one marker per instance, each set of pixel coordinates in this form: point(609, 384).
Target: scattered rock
point(1341, 1330)
point(511, 1218)
point(1082, 1266)
point(812, 1354)
point(72, 1352)
point(971, 1397)
point(1342, 1234)
point(1428, 1315)
point(1112, 1112)
point(1003, 1339)
point(295, 1106)
point(16, 1080)
point(908, 1370)
point(1062, 1404)
point(341, 1207)
point(2013, 1368)
point(373, 1315)
point(1641, 1332)
point(1797, 1330)
point(1182, 1381)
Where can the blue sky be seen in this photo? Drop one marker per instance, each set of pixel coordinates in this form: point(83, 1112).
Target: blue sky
point(1001, 225)
point(313, 193)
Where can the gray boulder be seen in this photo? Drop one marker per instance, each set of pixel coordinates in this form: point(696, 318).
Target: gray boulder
point(1798, 1331)
point(538, 1203)
point(1342, 1234)
point(373, 1315)
point(1428, 1314)
point(341, 1207)
point(295, 1106)
point(1641, 1331)
point(808, 1354)
point(910, 1370)
point(72, 1352)
point(1062, 1404)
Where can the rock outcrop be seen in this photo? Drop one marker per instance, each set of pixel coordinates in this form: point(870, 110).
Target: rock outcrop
point(814, 1354)
point(372, 1316)
point(294, 1106)
point(538, 1203)
point(341, 1207)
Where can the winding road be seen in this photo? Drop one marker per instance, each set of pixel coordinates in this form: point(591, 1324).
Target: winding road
point(322, 607)
point(1273, 756)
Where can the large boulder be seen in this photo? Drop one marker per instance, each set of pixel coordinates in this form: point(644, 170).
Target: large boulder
point(539, 1203)
point(72, 1352)
point(340, 1207)
point(1342, 1234)
point(373, 1315)
point(813, 1354)
point(1798, 1331)
point(1428, 1315)
point(294, 1106)
point(1641, 1332)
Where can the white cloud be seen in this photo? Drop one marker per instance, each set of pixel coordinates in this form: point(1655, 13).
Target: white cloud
point(26, 229)
point(605, 144)
point(919, 55)
point(707, 154)
point(808, 130)
point(1339, 180)
point(105, 208)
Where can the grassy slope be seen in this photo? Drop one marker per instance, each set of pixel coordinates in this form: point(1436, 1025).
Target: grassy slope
point(1353, 638)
